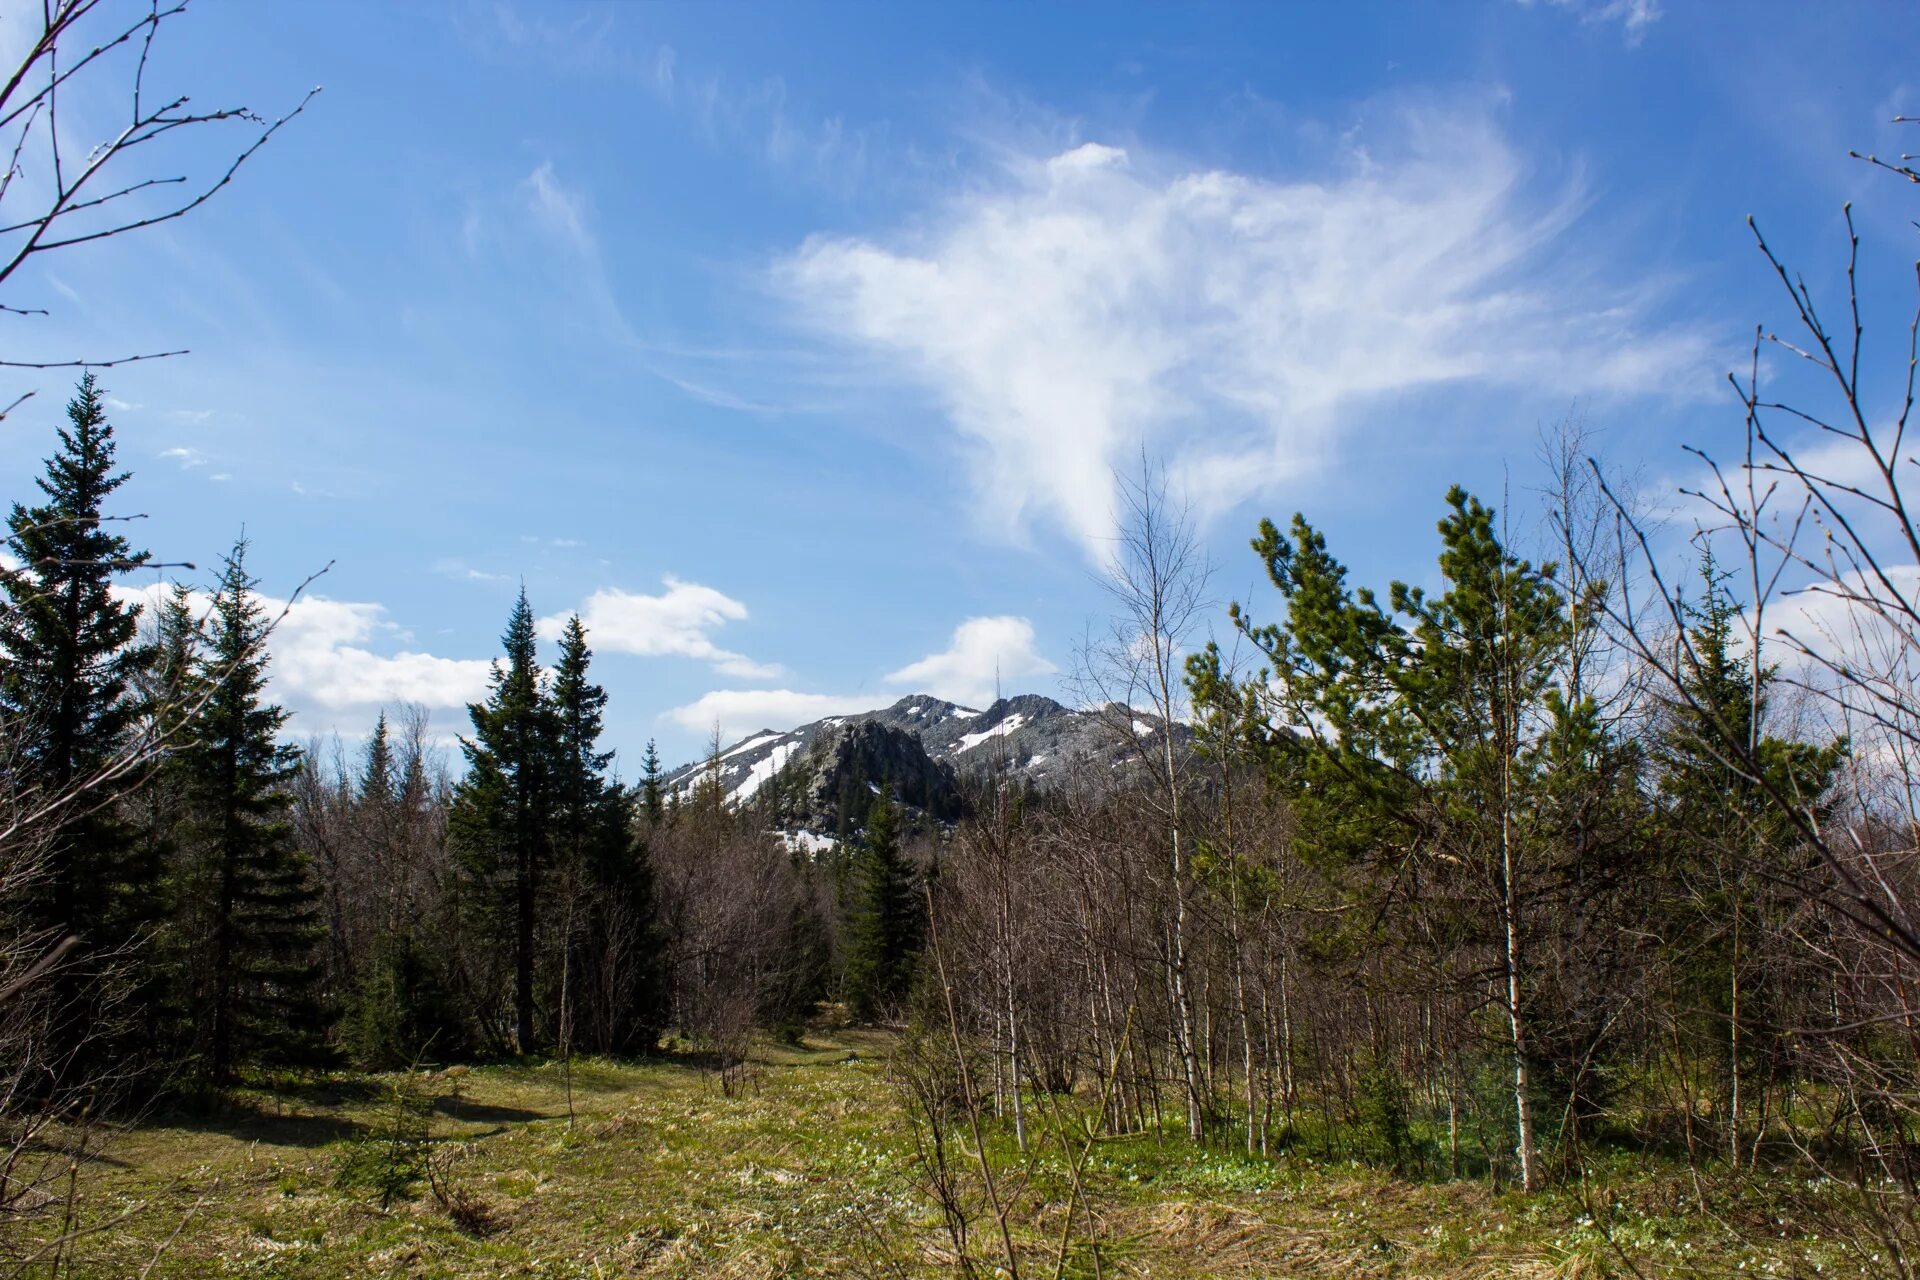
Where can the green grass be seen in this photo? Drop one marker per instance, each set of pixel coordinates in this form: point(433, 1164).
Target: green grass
point(808, 1172)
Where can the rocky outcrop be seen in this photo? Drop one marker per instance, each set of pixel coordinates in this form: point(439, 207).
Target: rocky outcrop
point(831, 785)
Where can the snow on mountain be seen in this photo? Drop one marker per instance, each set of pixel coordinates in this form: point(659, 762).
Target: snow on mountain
point(1029, 736)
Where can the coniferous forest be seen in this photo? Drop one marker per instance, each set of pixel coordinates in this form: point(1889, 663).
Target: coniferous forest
point(1544, 906)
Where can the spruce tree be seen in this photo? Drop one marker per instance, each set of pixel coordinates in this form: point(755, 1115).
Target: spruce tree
point(169, 695)
point(67, 663)
point(376, 773)
point(653, 804)
point(374, 1016)
point(883, 936)
point(594, 832)
point(502, 811)
point(260, 1002)
point(579, 709)
point(1731, 849)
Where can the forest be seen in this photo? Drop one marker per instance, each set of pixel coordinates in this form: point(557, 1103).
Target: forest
point(1567, 881)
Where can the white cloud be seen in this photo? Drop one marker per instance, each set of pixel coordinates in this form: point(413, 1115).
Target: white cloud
point(679, 621)
point(985, 655)
point(1855, 620)
point(320, 656)
point(739, 712)
point(1084, 305)
point(188, 458)
point(321, 660)
point(964, 672)
point(1634, 16)
point(461, 571)
point(760, 115)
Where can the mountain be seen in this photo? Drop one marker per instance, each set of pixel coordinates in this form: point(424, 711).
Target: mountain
point(924, 748)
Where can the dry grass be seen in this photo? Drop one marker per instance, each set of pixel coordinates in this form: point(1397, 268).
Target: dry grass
point(805, 1175)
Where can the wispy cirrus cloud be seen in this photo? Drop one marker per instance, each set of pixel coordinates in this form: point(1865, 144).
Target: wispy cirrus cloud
point(561, 209)
point(1634, 16)
point(759, 115)
point(1082, 305)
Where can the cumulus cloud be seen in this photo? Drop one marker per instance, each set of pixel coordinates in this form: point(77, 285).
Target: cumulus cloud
point(984, 655)
point(321, 659)
point(1084, 305)
point(320, 656)
point(679, 621)
point(187, 457)
point(739, 712)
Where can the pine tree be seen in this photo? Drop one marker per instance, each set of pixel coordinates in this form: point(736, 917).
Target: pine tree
point(502, 811)
point(883, 936)
point(260, 1001)
point(67, 663)
point(1440, 731)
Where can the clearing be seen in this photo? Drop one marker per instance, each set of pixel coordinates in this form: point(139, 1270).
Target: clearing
point(808, 1171)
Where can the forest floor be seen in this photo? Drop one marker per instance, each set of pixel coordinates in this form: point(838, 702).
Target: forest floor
point(807, 1171)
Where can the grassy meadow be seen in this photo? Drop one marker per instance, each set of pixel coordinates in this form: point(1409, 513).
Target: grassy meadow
point(806, 1167)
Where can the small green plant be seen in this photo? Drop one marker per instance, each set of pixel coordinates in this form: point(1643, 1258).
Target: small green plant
point(1385, 1135)
point(390, 1159)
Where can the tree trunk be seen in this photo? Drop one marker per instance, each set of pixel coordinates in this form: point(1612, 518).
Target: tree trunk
point(1516, 1018)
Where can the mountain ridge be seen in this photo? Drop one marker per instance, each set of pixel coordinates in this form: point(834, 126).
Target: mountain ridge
point(1028, 736)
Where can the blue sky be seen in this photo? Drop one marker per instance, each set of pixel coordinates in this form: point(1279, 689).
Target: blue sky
point(795, 345)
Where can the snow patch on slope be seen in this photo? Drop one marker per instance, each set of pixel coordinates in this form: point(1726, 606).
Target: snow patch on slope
point(761, 772)
point(968, 741)
point(751, 743)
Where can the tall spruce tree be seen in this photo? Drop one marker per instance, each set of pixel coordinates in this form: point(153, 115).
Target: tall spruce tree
point(169, 693)
point(68, 659)
point(579, 711)
point(594, 831)
point(503, 809)
point(259, 998)
point(883, 936)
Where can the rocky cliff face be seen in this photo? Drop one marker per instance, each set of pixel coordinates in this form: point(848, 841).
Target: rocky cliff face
point(831, 785)
point(922, 749)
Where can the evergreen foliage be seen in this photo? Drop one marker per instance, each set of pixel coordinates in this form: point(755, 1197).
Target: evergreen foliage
point(609, 935)
point(257, 944)
point(652, 798)
point(68, 666)
point(501, 821)
point(883, 932)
